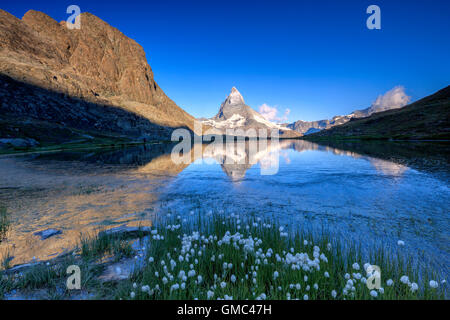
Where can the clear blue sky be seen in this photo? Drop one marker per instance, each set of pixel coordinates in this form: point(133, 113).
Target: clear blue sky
point(316, 58)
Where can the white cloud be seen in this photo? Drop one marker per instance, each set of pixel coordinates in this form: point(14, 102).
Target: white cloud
point(393, 99)
point(271, 113)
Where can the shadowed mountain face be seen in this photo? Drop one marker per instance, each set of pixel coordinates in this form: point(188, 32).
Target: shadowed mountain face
point(96, 64)
point(428, 118)
point(236, 115)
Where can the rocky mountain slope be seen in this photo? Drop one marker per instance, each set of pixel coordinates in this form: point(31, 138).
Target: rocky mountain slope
point(236, 115)
point(94, 78)
point(428, 118)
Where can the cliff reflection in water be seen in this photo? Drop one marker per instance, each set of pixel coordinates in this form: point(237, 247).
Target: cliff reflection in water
point(88, 191)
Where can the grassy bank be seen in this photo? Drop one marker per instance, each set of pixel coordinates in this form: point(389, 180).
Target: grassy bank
point(4, 223)
point(230, 257)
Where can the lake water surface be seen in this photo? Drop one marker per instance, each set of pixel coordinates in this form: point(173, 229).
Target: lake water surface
point(376, 193)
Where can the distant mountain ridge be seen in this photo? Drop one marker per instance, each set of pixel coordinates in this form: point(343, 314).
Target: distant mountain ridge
point(425, 119)
point(235, 114)
point(393, 99)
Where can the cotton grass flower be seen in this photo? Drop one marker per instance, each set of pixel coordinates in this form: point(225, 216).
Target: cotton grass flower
point(132, 294)
point(334, 293)
point(401, 243)
point(326, 274)
point(433, 284)
point(390, 282)
point(373, 293)
point(405, 280)
point(414, 287)
point(223, 285)
point(233, 278)
point(191, 273)
point(275, 275)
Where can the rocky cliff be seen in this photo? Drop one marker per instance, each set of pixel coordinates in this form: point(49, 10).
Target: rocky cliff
point(96, 65)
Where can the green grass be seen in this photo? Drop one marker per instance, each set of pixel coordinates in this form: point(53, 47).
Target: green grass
point(4, 223)
point(96, 247)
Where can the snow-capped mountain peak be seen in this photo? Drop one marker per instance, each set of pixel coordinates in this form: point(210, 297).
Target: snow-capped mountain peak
point(235, 114)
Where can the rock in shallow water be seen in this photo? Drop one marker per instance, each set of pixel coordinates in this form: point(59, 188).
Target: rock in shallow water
point(45, 234)
point(126, 231)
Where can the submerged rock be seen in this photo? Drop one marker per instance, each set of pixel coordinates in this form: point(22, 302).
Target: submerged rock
point(126, 231)
point(19, 142)
point(45, 234)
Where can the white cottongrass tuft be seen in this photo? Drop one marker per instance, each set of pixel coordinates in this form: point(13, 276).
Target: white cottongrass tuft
point(433, 284)
point(373, 293)
point(275, 275)
point(404, 279)
point(401, 243)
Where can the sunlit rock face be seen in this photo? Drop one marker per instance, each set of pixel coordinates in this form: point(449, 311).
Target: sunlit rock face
point(236, 115)
point(96, 64)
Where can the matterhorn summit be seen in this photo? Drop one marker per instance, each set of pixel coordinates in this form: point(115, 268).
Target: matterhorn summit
point(235, 97)
point(235, 114)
